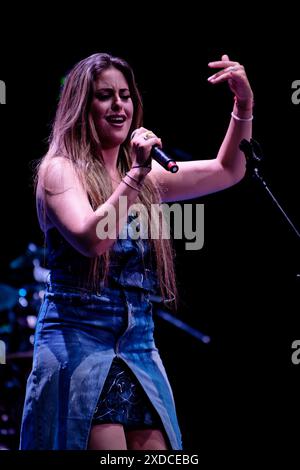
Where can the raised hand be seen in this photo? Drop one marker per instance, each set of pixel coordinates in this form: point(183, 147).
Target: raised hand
point(234, 73)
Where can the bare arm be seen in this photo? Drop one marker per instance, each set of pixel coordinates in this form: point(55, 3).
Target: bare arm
point(68, 208)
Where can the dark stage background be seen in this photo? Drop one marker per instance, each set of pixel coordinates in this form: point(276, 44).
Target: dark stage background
point(239, 391)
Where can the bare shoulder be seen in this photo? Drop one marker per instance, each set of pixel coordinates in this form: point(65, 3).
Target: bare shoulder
point(56, 175)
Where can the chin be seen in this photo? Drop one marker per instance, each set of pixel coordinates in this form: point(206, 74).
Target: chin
point(119, 140)
point(113, 141)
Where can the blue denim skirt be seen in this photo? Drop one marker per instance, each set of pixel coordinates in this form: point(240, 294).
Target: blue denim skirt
point(77, 337)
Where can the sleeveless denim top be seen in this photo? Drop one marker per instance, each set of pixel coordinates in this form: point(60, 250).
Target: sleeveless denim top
point(132, 265)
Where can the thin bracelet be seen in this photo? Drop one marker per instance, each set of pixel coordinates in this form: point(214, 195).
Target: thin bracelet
point(138, 182)
point(241, 119)
point(141, 166)
point(122, 180)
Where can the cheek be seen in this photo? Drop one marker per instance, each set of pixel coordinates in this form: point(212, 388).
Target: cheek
point(98, 111)
point(130, 113)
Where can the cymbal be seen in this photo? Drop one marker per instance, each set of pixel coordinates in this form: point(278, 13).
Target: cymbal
point(8, 297)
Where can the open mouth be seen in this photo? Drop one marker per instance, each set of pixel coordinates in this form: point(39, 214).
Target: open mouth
point(116, 119)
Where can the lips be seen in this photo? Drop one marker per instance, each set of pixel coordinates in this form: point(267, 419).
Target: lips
point(116, 118)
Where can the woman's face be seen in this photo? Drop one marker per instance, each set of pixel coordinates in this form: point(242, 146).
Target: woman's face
point(112, 107)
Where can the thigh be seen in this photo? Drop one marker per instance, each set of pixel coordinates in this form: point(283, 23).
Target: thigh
point(146, 439)
point(107, 437)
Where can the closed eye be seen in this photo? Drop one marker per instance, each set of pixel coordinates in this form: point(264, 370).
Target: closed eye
point(107, 96)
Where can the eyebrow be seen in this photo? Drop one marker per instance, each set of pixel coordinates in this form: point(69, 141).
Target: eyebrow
point(109, 89)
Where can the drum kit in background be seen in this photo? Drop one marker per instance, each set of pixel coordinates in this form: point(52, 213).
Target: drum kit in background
point(19, 306)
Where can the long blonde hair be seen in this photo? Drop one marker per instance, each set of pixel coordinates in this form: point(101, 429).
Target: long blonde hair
point(74, 137)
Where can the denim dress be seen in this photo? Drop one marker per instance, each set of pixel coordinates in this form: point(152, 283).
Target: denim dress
point(80, 332)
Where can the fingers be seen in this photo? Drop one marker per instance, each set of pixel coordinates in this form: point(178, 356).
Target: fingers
point(221, 78)
point(221, 64)
point(142, 141)
point(137, 132)
point(233, 71)
point(140, 135)
point(235, 75)
point(224, 62)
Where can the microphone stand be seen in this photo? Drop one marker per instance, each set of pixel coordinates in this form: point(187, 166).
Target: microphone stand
point(254, 158)
point(158, 309)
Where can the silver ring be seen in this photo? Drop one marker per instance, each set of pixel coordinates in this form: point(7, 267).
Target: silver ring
point(233, 67)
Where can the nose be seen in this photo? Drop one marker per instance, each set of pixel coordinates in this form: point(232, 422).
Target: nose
point(117, 103)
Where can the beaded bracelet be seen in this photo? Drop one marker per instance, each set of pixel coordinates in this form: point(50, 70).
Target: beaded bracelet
point(241, 119)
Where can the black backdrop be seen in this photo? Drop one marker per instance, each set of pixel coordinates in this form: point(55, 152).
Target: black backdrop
point(241, 288)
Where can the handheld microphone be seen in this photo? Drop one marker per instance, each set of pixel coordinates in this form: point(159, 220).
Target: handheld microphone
point(166, 162)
